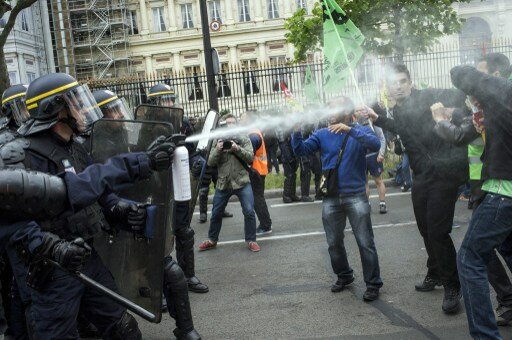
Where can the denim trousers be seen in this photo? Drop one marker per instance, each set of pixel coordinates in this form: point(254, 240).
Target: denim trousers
point(490, 228)
point(334, 216)
point(220, 200)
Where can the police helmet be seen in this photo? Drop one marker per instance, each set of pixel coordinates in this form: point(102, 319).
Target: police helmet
point(49, 95)
point(111, 105)
point(13, 104)
point(162, 95)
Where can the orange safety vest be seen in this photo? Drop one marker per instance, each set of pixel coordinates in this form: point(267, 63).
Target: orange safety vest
point(260, 157)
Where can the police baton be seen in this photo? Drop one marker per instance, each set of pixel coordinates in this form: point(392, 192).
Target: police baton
point(86, 280)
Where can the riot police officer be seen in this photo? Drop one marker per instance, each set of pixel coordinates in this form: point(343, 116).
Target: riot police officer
point(290, 166)
point(59, 108)
point(111, 105)
point(14, 111)
point(164, 95)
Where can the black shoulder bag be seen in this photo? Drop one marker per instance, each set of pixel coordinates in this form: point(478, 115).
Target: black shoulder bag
point(329, 180)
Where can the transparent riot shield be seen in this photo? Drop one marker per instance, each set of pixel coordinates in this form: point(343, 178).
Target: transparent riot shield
point(160, 114)
point(203, 147)
point(136, 262)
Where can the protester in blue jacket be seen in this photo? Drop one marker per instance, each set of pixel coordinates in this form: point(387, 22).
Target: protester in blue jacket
point(351, 200)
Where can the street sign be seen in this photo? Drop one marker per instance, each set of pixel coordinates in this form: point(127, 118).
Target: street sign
point(215, 26)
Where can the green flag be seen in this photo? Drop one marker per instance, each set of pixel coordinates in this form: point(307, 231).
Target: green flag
point(310, 89)
point(342, 46)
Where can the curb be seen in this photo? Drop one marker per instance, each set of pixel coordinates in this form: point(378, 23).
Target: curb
point(277, 193)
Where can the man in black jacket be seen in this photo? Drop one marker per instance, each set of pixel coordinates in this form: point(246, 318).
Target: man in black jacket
point(490, 225)
point(439, 168)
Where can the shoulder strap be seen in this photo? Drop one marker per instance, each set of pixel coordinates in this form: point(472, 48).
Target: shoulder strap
point(342, 150)
point(244, 164)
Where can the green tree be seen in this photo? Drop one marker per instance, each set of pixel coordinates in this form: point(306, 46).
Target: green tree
point(391, 27)
point(5, 7)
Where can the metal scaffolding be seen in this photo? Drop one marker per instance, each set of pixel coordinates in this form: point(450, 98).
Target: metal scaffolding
point(90, 37)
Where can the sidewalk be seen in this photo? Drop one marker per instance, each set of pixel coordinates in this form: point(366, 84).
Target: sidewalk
point(276, 193)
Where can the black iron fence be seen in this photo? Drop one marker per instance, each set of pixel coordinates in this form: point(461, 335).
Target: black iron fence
point(259, 88)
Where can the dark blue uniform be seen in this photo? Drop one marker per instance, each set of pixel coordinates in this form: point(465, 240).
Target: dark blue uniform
point(54, 309)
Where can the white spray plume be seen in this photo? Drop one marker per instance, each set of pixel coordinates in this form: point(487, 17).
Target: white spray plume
point(278, 121)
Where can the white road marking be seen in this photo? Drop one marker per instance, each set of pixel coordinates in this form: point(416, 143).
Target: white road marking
point(319, 202)
point(307, 203)
point(315, 233)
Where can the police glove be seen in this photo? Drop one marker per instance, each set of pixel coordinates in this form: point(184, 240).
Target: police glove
point(70, 255)
point(197, 168)
point(131, 214)
point(160, 154)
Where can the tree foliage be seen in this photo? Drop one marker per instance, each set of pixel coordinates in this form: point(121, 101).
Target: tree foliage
point(6, 6)
point(391, 27)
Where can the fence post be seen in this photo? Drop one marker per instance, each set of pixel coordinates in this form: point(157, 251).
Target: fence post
point(244, 80)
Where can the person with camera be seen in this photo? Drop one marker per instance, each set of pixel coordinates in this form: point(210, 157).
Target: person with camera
point(343, 147)
point(231, 156)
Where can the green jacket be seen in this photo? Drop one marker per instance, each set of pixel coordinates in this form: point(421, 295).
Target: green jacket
point(232, 174)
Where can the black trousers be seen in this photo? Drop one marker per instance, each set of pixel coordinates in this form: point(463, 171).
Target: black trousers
point(272, 158)
point(434, 207)
point(290, 178)
point(309, 164)
point(260, 205)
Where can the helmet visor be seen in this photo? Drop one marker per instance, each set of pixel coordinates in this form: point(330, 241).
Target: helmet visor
point(167, 100)
point(117, 109)
point(19, 110)
point(82, 107)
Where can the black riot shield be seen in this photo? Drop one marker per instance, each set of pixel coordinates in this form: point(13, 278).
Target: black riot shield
point(155, 113)
point(137, 262)
point(203, 147)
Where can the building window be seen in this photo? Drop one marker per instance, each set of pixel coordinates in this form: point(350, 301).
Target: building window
point(186, 15)
point(31, 76)
point(134, 29)
point(158, 19)
point(243, 10)
point(24, 21)
point(302, 4)
point(214, 9)
point(13, 77)
point(273, 9)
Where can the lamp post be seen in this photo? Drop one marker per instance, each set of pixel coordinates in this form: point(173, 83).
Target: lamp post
point(208, 59)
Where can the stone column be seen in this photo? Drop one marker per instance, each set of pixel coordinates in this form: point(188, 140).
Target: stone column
point(144, 17)
point(233, 57)
point(259, 7)
point(171, 9)
point(176, 62)
point(21, 68)
point(149, 64)
point(262, 52)
point(228, 10)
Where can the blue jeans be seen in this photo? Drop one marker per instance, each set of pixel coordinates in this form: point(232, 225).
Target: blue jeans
point(406, 170)
point(334, 216)
point(490, 228)
point(220, 200)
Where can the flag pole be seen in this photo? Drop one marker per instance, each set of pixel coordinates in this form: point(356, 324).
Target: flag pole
point(358, 90)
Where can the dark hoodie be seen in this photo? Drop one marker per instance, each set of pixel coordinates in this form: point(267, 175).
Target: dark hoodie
point(432, 159)
point(495, 96)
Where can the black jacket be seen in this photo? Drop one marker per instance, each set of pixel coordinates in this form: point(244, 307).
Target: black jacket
point(433, 160)
point(458, 133)
point(495, 96)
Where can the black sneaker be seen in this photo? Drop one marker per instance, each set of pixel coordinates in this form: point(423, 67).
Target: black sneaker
point(306, 199)
point(451, 301)
point(503, 315)
point(263, 231)
point(405, 187)
point(428, 284)
point(202, 217)
point(383, 208)
point(339, 286)
point(226, 214)
point(371, 294)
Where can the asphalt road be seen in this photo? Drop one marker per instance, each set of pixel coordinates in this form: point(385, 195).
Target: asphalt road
point(283, 292)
